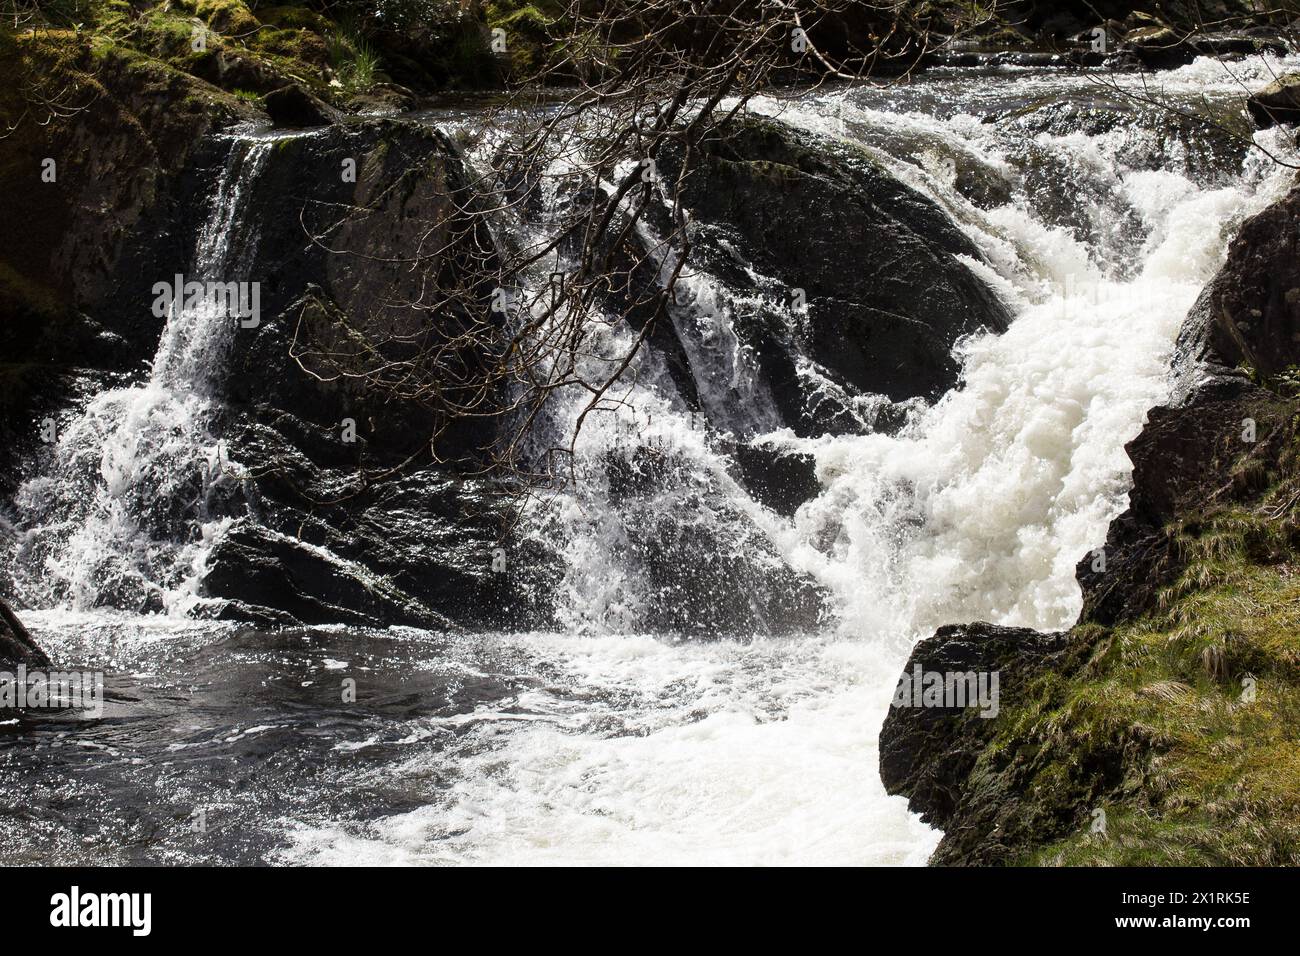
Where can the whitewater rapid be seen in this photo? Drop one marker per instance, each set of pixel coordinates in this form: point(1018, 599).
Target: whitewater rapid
point(765, 750)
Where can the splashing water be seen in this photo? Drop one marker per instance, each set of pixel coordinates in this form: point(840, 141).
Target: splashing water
point(608, 744)
point(119, 515)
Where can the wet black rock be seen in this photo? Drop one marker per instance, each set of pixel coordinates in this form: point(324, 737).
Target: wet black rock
point(779, 479)
point(1249, 314)
point(928, 753)
point(346, 508)
point(16, 645)
point(293, 107)
point(844, 283)
point(1277, 103)
point(337, 255)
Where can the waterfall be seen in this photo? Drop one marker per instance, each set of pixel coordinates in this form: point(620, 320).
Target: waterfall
point(764, 750)
point(670, 720)
point(119, 514)
point(980, 508)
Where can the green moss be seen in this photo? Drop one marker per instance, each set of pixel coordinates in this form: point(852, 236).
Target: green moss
point(295, 18)
point(300, 45)
point(530, 31)
point(165, 35)
point(230, 18)
point(1187, 721)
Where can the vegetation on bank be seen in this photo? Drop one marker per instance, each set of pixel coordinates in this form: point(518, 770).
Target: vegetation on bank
point(342, 50)
point(1178, 741)
point(336, 50)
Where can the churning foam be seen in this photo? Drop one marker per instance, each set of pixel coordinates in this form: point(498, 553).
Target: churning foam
point(646, 752)
point(766, 752)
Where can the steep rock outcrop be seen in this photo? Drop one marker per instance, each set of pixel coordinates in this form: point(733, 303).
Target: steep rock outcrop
point(322, 528)
point(98, 180)
point(347, 515)
point(1223, 432)
point(928, 752)
point(845, 288)
point(828, 256)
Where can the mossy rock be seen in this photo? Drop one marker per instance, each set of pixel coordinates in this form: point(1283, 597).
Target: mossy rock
point(299, 45)
point(230, 18)
point(296, 18)
point(529, 31)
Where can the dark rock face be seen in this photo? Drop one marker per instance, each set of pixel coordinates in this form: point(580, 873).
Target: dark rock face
point(332, 254)
point(1183, 458)
point(16, 645)
point(384, 527)
point(1220, 429)
point(293, 107)
point(928, 753)
point(1249, 315)
point(74, 279)
point(861, 272)
point(1279, 102)
point(779, 480)
point(367, 528)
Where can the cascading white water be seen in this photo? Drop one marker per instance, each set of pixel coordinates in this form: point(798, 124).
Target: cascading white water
point(764, 751)
point(119, 513)
point(607, 743)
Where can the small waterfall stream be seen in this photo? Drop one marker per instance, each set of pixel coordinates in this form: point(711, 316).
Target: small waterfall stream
point(119, 514)
point(615, 739)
